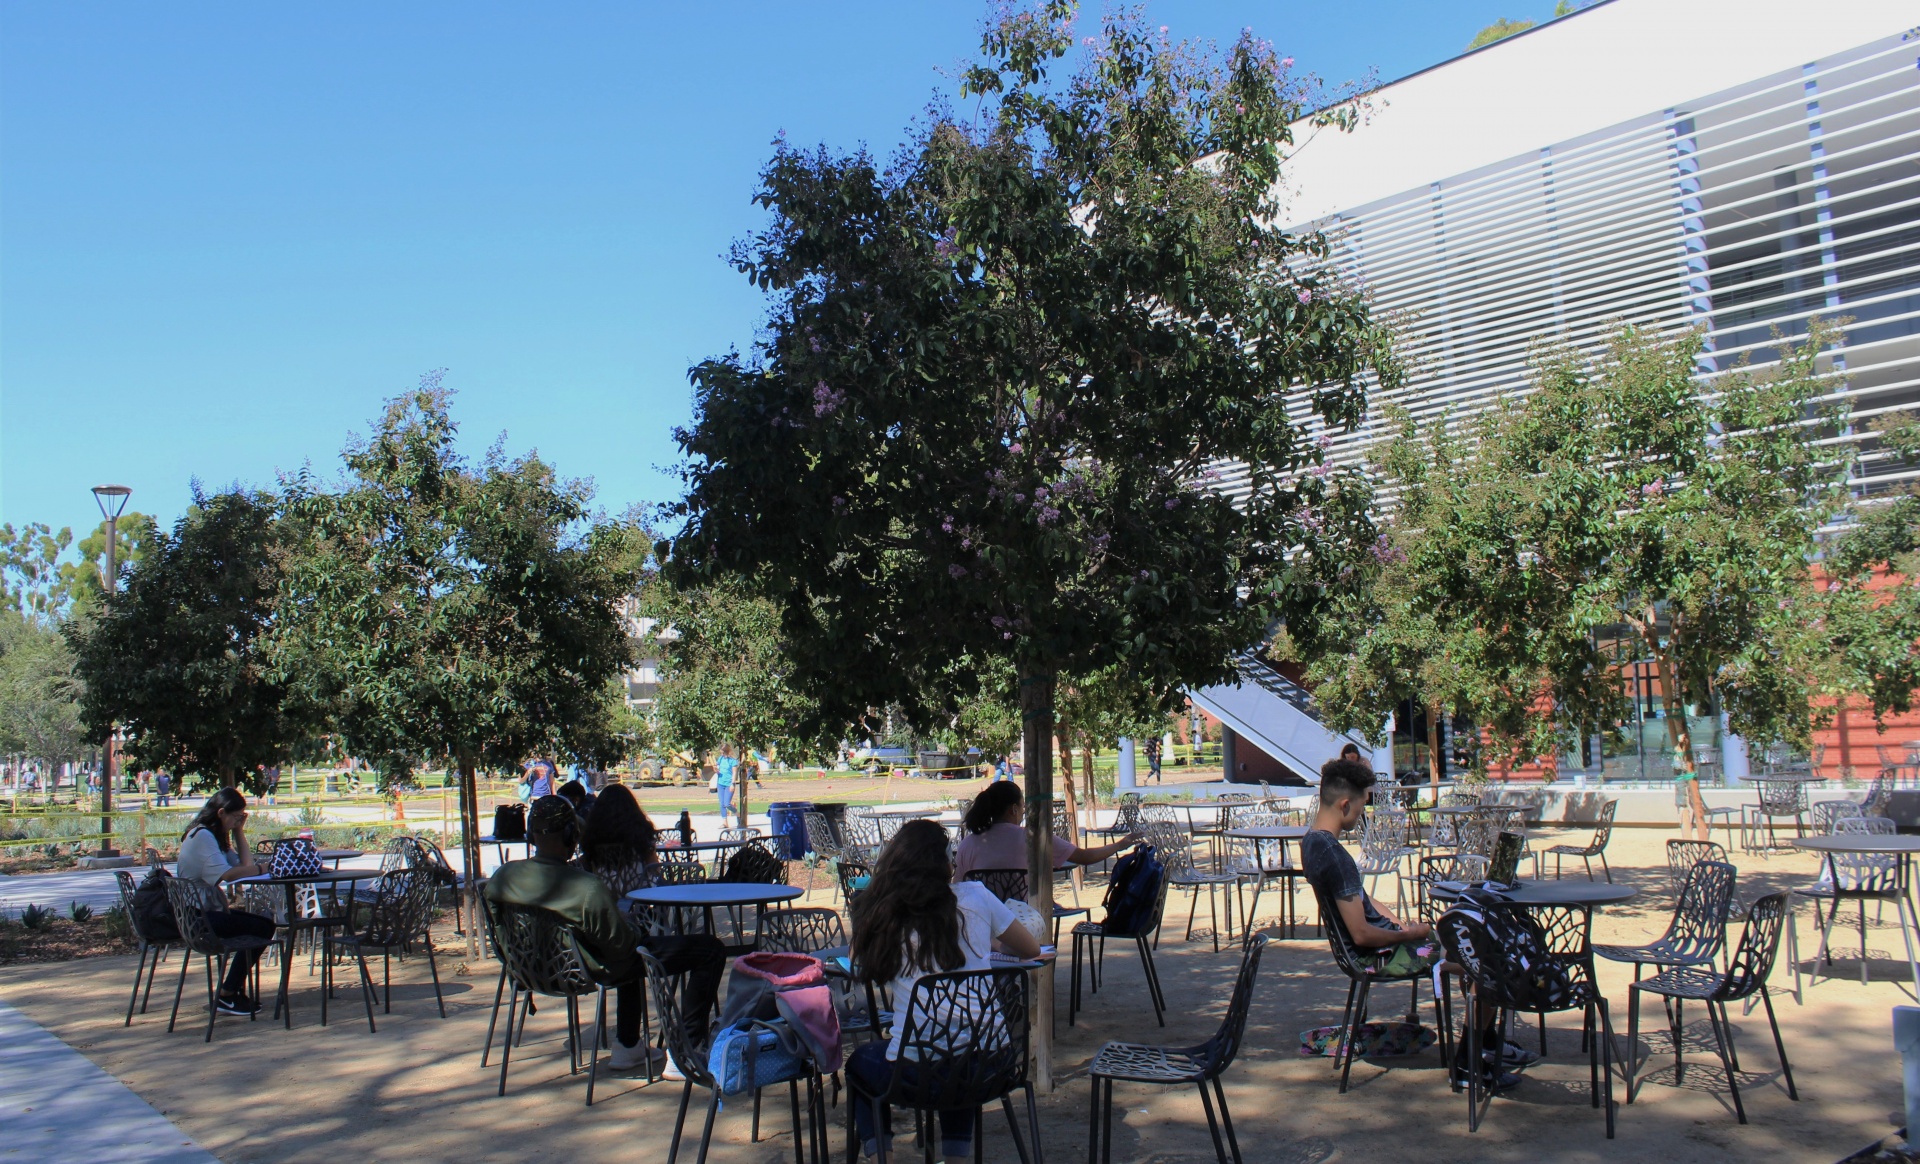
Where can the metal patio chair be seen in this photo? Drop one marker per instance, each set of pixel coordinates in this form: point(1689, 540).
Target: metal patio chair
point(1596, 846)
point(150, 944)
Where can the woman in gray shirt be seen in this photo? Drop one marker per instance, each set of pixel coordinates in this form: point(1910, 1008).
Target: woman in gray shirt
point(214, 851)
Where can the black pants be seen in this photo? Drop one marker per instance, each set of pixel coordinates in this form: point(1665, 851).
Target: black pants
point(701, 956)
point(235, 923)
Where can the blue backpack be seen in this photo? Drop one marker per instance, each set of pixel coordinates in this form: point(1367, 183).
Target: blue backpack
point(1133, 890)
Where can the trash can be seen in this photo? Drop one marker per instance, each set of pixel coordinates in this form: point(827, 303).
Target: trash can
point(836, 815)
point(787, 819)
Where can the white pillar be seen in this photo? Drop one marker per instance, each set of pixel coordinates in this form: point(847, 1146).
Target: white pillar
point(1383, 755)
point(1734, 765)
point(1126, 780)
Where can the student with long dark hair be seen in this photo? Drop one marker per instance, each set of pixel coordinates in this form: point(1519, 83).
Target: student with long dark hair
point(913, 921)
point(619, 844)
point(213, 851)
point(997, 835)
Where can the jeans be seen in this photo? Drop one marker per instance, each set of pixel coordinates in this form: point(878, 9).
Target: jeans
point(870, 1068)
point(726, 803)
point(236, 923)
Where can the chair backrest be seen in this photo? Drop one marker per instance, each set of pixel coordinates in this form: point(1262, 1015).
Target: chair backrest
point(862, 833)
point(1752, 960)
point(820, 838)
point(1062, 826)
point(1827, 814)
point(739, 834)
point(1867, 872)
point(1475, 834)
point(1346, 955)
point(1874, 803)
point(1682, 856)
point(129, 887)
point(1157, 812)
point(1869, 826)
point(1384, 834)
point(402, 908)
point(1603, 826)
point(1128, 816)
point(192, 901)
point(671, 1006)
point(539, 949)
point(801, 930)
point(679, 872)
point(1217, 1053)
point(1005, 884)
point(1459, 799)
point(1456, 867)
point(1521, 958)
point(849, 872)
point(755, 863)
point(1783, 798)
point(398, 854)
point(1699, 924)
point(965, 1036)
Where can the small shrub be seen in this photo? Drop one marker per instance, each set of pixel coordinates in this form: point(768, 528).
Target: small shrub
point(116, 923)
point(50, 850)
point(36, 917)
point(79, 912)
point(310, 815)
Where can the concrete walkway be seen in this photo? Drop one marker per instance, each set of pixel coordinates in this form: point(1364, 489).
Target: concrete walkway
point(56, 1105)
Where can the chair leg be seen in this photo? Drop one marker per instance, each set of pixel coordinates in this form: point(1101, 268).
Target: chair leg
point(1473, 1071)
point(1633, 1039)
point(1351, 1038)
point(1153, 980)
point(366, 985)
point(1779, 1047)
point(186, 958)
point(1720, 1038)
point(1213, 1125)
point(433, 968)
point(506, 1044)
point(1605, 868)
point(1073, 988)
point(139, 970)
point(1095, 1085)
point(493, 1021)
point(1606, 1061)
point(214, 977)
point(1226, 1119)
point(593, 1054)
point(680, 1120)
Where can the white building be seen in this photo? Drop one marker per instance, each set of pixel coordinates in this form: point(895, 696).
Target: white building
point(1735, 166)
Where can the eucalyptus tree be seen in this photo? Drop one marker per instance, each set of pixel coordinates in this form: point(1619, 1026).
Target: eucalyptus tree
point(999, 373)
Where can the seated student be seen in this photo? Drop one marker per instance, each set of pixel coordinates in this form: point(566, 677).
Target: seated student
point(583, 901)
point(997, 837)
point(619, 844)
point(577, 795)
point(1404, 947)
point(213, 851)
point(911, 922)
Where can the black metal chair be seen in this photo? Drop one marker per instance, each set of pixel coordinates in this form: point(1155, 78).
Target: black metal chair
point(1363, 974)
point(688, 1049)
point(1264, 862)
point(400, 912)
point(1497, 976)
point(1459, 868)
point(1011, 885)
point(1091, 936)
point(1596, 846)
point(755, 863)
point(1682, 856)
point(801, 930)
point(1698, 928)
point(1777, 800)
point(1746, 975)
point(191, 902)
point(1860, 878)
point(540, 954)
point(1827, 814)
point(1175, 849)
point(1202, 1066)
point(963, 1045)
point(846, 872)
point(149, 943)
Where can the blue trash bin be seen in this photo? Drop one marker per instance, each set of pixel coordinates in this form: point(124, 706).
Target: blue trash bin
point(787, 819)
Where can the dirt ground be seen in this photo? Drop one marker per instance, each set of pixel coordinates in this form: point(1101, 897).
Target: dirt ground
point(416, 1090)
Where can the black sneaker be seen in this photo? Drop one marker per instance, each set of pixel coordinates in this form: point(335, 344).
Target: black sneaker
point(1490, 1079)
point(237, 1004)
point(1514, 1055)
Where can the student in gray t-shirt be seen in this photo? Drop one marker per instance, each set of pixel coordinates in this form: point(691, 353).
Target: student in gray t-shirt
point(213, 852)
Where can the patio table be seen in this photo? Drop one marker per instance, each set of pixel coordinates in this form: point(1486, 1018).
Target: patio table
point(295, 923)
point(705, 895)
point(1589, 893)
point(1902, 845)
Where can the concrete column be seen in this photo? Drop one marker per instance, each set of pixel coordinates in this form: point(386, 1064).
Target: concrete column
point(1227, 750)
point(1734, 765)
point(1383, 755)
point(1126, 779)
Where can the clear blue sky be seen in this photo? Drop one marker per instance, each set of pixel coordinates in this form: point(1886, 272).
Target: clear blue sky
point(229, 231)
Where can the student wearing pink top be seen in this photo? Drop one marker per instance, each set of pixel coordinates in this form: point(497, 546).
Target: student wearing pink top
point(997, 835)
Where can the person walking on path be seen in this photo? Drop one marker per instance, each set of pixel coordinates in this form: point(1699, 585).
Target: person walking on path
point(724, 769)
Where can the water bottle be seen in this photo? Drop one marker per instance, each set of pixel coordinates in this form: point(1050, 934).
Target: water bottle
point(686, 829)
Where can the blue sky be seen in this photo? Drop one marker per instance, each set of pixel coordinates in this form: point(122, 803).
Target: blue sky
point(229, 231)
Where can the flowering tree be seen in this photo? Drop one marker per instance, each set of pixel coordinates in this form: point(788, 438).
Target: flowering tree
point(998, 376)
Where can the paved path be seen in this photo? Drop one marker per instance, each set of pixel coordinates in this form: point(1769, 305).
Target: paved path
point(56, 1105)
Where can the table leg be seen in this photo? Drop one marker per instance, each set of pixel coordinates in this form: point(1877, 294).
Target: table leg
point(284, 1003)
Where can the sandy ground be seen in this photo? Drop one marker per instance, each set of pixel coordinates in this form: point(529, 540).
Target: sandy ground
point(415, 1089)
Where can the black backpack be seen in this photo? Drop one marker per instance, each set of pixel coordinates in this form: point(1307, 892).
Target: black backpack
point(152, 913)
point(509, 822)
point(1501, 945)
point(1132, 890)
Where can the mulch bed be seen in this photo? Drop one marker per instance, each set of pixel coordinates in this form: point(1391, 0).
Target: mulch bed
point(62, 940)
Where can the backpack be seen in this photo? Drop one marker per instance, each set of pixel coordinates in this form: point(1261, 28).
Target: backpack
point(755, 865)
point(1485, 927)
point(151, 910)
point(509, 822)
point(1132, 890)
point(779, 1017)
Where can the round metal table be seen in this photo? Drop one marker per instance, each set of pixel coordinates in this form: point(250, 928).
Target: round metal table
point(1903, 846)
point(1593, 893)
point(295, 923)
point(706, 895)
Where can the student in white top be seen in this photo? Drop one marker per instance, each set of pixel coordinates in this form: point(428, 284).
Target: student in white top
point(215, 851)
point(910, 922)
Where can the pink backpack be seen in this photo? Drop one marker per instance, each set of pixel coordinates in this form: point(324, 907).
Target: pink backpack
point(766, 988)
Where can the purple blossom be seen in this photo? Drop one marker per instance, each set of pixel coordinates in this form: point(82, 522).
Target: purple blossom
point(1325, 440)
point(1145, 575)
point(956, 571)
point(813, 344)
point(966, 543)
point(1286, 62)
point(1653, 489)
point(1173, 503)
point(1020, 498)
point(1319, 470)
point(947, 525)
point(1047, 515)
point(1014, 448)
point(1386, 552)
point(1040, 493)
point(825, 399)
point(1305, 295)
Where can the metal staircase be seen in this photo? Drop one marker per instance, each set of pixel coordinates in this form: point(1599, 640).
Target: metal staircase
point(1276, 715)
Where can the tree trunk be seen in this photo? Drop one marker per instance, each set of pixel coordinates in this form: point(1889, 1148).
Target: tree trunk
point(1682, 738)
point(1073, 804)
point(470, 848)
point(1433, 750)
point(1036, 730)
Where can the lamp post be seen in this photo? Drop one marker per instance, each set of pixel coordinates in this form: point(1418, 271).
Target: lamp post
point(113, 502)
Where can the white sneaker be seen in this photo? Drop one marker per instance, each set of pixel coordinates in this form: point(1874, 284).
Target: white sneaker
point(672, 1071)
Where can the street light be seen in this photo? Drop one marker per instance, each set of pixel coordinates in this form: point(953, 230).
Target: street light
point(113, 502)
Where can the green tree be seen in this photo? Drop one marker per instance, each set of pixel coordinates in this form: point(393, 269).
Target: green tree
point(448, 610)
point(1499, 30)
point(1000, 377)
point(178, 658)
point(39, 692)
